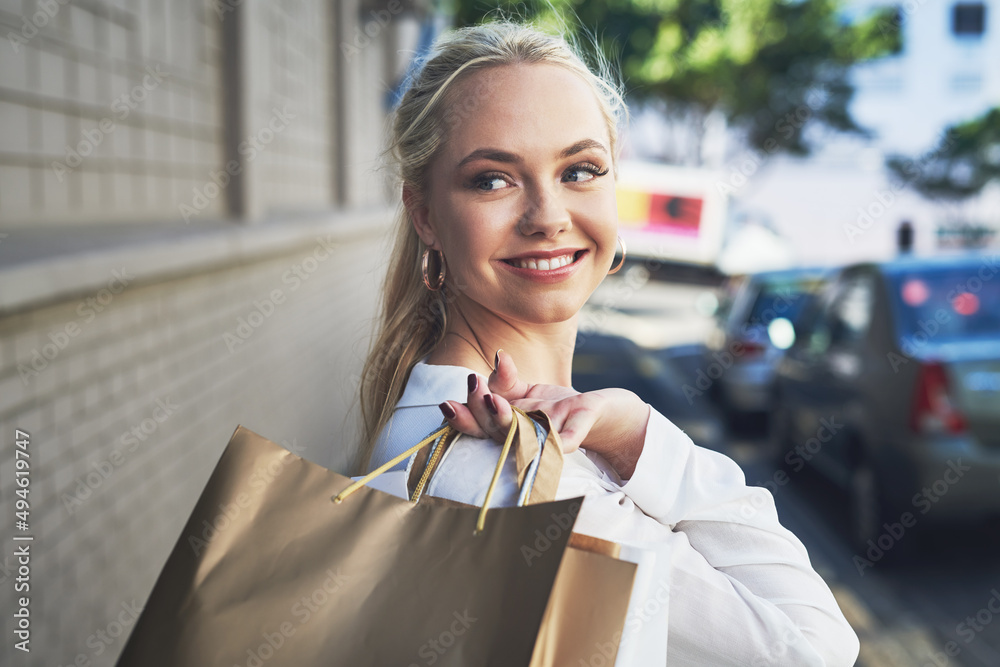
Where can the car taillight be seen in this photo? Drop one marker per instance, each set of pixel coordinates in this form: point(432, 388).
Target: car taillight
point(932, 407)
point(751, 349)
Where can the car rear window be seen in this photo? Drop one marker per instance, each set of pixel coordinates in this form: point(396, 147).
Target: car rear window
point(947, 305)
point(779, 301)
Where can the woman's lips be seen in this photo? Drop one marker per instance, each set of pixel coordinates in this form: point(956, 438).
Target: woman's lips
point(545, 269)
point(543, 263)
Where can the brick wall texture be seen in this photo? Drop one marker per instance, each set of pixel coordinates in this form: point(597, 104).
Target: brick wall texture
point(128, 419)
point(115, 111)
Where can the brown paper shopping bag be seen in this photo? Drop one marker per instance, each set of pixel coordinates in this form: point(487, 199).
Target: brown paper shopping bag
point(271, 570)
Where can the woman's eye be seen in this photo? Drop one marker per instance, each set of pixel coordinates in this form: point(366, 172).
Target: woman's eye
point(583, 173)
point(491, 183)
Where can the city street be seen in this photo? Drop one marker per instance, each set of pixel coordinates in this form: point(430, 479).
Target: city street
point(254, 222)
point(931, 609)
point(905, 614)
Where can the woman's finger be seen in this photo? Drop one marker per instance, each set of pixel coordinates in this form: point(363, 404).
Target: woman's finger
point(575, 428)
point(504, 380)
point(477, 404)
point(572, 417)
point(484, 415)
point(501, 416)
point(461, 419)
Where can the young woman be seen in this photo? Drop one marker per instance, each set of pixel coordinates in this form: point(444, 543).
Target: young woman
point(506, 144)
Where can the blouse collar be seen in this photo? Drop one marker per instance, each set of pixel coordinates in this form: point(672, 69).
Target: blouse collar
point(430, 384)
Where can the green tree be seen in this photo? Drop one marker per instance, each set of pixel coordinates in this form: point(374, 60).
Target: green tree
point(965, 159)
point(770, 66)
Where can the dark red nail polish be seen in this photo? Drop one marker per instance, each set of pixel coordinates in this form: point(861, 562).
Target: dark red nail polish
point(488, 398)
point(447, 411)
point(473, 382)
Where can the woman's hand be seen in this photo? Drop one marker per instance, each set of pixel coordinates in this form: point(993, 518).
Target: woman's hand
point(611, 422)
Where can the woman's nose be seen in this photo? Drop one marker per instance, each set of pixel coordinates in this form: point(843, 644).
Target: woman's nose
point(545, 214)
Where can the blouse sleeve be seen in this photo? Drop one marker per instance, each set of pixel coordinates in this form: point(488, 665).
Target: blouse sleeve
point(741, 583)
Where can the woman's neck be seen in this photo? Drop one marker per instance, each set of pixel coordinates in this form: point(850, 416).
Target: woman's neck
point(543, 354)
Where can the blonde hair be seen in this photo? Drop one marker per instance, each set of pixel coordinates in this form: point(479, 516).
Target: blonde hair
point(413, 319)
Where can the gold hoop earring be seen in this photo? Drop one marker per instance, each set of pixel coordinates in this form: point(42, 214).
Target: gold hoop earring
point(425, 262)
point(621, 242)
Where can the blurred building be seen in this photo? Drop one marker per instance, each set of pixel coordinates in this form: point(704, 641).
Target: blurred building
point(945, 72)
point(841, 204)
point(191, 237)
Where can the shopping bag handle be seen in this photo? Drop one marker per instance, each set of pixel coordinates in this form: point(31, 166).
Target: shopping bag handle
point(446, 432)
point(538, 469)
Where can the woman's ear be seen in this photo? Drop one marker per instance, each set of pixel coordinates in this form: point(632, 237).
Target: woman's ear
point(419, 215)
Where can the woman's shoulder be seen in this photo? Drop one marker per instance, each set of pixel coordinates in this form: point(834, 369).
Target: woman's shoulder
point(416, 414)
point(465, 471)
point(432, 384)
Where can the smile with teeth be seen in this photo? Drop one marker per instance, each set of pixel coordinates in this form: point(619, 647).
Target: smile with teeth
point(543, 264)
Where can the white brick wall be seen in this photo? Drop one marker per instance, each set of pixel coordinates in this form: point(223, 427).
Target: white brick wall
point(292, 67)
point(291, 381)
point(162, 339)
point(59, 83)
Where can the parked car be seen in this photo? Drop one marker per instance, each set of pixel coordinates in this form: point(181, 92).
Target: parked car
point(892, 390)
point(657, 377)
point(740, 356)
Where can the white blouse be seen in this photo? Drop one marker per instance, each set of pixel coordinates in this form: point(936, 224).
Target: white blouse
point(740, 587)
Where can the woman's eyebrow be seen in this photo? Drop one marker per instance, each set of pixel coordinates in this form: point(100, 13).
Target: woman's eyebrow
point(583, 145)
point(494, 154)
point(499, 155)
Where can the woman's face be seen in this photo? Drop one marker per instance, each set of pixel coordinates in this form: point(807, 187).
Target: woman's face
point(521, 196)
